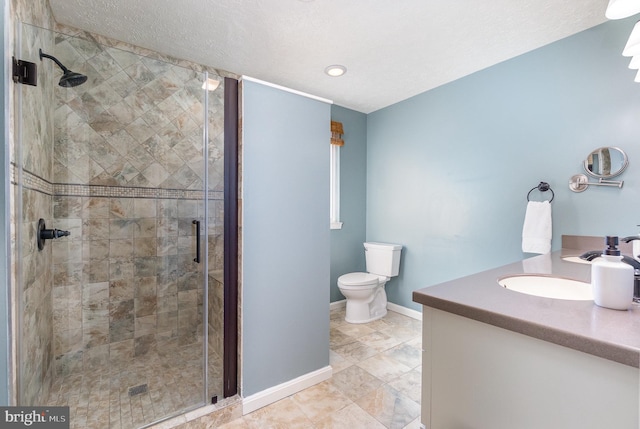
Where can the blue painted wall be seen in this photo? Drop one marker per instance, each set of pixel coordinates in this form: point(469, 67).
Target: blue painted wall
point(347, 251)
point(285, 236)
point(448, 171)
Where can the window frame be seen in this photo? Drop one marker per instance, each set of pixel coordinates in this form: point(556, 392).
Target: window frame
point(334, 183)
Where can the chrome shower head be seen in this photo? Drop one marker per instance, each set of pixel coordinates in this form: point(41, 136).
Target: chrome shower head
point(69, 79)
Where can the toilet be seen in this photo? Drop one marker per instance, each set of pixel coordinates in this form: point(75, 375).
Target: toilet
point(366, 298)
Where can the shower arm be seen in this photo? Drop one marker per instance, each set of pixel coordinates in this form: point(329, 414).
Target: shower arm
point(43, 55)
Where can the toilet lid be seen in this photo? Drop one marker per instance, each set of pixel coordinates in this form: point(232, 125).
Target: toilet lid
point(358, 279)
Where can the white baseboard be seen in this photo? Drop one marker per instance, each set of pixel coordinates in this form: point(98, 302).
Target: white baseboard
point(404, 310)
point(336, 305)
point(390, 306)
point(275, 393)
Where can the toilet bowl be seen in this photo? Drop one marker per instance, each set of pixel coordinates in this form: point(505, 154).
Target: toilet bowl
point(365, 292)
point(366, 297)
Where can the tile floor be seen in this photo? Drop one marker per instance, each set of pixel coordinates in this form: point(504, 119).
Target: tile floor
point(99, 398)
point(375, 383)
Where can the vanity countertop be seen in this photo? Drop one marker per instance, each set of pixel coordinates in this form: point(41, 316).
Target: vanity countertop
point(580, 325)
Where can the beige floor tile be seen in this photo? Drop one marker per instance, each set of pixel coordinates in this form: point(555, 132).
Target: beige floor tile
point(355, 382)
point(240, 423)
point(414, 424)
point(350, 417)
point(339, 338)
point(379, 341)
point(355, 352)
point(403, 333)
point(283, 414)
point(335, 324)
point(409, 384)
point(318, 401)
point(405, 354)
point(416, 342)
point(355, 329)
point(337, 362)
point(390, 407)
point(338, 313)
point(363, 357)
point(336, 319)
point(378, 325)
point(400, 319)
point(384, 367)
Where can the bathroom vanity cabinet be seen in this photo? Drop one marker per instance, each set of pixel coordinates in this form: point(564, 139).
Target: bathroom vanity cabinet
point(499, 359)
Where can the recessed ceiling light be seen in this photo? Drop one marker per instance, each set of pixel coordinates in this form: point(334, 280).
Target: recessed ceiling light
point(335, 70)
point(618, 9)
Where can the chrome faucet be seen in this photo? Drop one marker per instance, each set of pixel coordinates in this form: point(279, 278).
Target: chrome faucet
point(593, 254)
point(629, 240)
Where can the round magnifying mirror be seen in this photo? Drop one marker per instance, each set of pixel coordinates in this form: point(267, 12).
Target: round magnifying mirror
point(606, 162)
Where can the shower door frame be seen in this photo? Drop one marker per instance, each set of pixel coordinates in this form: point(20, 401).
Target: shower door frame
point(6, 393)
point(231, 256)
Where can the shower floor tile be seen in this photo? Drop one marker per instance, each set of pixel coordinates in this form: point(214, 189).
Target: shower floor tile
point(100, 398)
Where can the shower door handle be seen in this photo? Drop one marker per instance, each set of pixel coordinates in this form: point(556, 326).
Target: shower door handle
point(197, 224)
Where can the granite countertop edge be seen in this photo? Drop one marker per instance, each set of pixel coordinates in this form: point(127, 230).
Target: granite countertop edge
point(579, 325)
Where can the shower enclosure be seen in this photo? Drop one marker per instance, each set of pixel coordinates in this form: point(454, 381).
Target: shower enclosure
point(123, 319)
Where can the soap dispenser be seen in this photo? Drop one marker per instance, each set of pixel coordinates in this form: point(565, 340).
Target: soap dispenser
point(612, 279)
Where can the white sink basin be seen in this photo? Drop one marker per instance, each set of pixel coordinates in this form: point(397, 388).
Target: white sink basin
point(548, 286)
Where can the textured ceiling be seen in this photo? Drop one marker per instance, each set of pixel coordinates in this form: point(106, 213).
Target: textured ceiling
point(393, 49)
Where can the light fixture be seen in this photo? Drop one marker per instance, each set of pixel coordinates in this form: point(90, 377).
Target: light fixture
point(335, 70)
point(633, 44)
point(210, 84)
point(619, 9)
point(635, 62)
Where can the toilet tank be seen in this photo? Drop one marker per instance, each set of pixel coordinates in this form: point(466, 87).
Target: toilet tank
point(382, 259)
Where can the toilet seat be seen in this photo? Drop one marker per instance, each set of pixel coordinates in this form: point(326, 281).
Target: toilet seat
point(358, 280)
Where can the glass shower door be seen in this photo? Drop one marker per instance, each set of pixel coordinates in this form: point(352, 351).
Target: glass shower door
point(114, 316)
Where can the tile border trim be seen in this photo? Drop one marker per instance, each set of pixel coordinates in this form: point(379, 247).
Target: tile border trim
point(37, 183)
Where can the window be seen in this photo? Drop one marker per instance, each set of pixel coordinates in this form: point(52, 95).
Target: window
point(334, 203)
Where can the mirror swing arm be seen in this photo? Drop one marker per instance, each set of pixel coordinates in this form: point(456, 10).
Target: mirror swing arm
point(580, 183)
point(601, 164)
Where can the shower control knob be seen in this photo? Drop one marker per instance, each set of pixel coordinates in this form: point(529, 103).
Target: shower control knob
point(48, 234)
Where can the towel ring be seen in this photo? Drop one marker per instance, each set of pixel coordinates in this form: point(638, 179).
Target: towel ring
point(542, 187)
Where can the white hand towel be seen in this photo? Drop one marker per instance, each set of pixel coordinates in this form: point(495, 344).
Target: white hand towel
point(536, 232)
